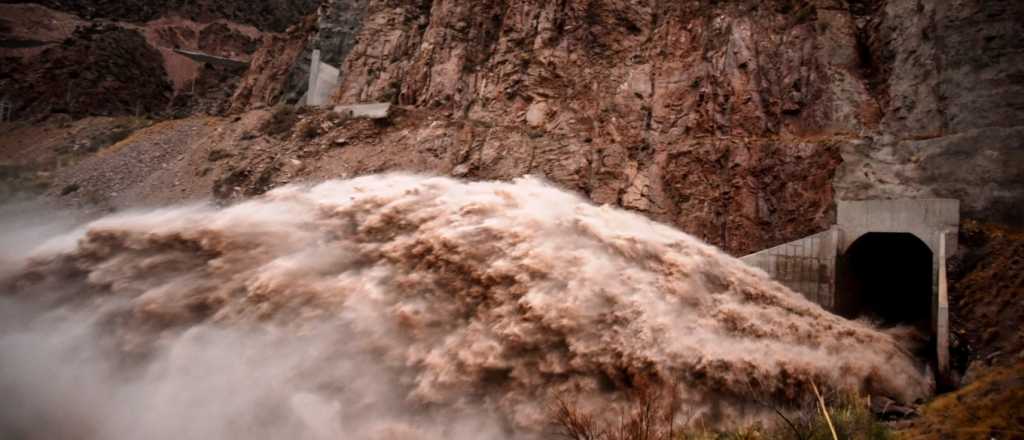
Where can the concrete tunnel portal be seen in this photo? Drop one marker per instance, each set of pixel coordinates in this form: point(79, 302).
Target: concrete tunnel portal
point(884, 260)
point(887, 278)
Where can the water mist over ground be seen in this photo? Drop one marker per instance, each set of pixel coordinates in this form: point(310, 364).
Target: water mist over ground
point(398, 307)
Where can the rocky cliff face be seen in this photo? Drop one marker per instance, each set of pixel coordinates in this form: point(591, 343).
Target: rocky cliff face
point(279, 72)
point(740, 121)
point(696, 114)
point(732, 120)
point(952, 89)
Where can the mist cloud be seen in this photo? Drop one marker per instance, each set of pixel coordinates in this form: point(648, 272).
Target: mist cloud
point(403, 307)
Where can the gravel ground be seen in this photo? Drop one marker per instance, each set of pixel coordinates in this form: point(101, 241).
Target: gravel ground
point(133, 170)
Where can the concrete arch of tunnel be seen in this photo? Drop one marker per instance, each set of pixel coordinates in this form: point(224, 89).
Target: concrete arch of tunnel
point(882, 258)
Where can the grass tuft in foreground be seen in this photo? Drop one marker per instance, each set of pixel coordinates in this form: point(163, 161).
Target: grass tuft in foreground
point(655, 416)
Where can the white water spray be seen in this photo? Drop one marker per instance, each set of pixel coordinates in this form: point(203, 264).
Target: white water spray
point(400, 307)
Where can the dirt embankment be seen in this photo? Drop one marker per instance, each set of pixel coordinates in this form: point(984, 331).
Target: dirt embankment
point(987, 310)
point(25, 29)
point(988, 408)
point(987, 297)
point(33, 154)
point(201, 87)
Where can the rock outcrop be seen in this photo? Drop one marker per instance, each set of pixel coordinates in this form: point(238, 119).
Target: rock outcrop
point(739, 121)
point(717, 118)
point(732, 120)
point(279, 72)
point(953, 96)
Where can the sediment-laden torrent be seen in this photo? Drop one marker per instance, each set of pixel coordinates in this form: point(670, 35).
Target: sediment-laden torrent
point(398, 307)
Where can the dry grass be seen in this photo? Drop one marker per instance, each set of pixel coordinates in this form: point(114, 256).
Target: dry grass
point(850, 416)
point(991, 407)
point(655, 415)
point(146, 132)
point(651, 415)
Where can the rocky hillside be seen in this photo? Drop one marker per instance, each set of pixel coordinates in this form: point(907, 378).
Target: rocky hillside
point(739, 121)
point(98, 69)
point(118, 58)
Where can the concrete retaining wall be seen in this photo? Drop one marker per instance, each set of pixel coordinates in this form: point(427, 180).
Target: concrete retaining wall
point(806, 266)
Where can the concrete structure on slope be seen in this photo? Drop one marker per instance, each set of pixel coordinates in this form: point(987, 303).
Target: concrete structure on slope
point(376, 110)
point(201, 57)
point(807, 265)
point(323, 81)
point(884, 259)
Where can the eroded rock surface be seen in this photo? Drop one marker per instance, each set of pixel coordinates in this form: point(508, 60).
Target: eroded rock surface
point(954, 108)
point(733, 120)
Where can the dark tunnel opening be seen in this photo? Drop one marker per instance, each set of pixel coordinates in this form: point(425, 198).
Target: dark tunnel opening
point(887, 277)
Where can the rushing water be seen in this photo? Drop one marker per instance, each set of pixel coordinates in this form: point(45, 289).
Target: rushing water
point(398, 307)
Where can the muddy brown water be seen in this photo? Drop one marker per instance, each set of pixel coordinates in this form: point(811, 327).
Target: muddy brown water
point(400, 306)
